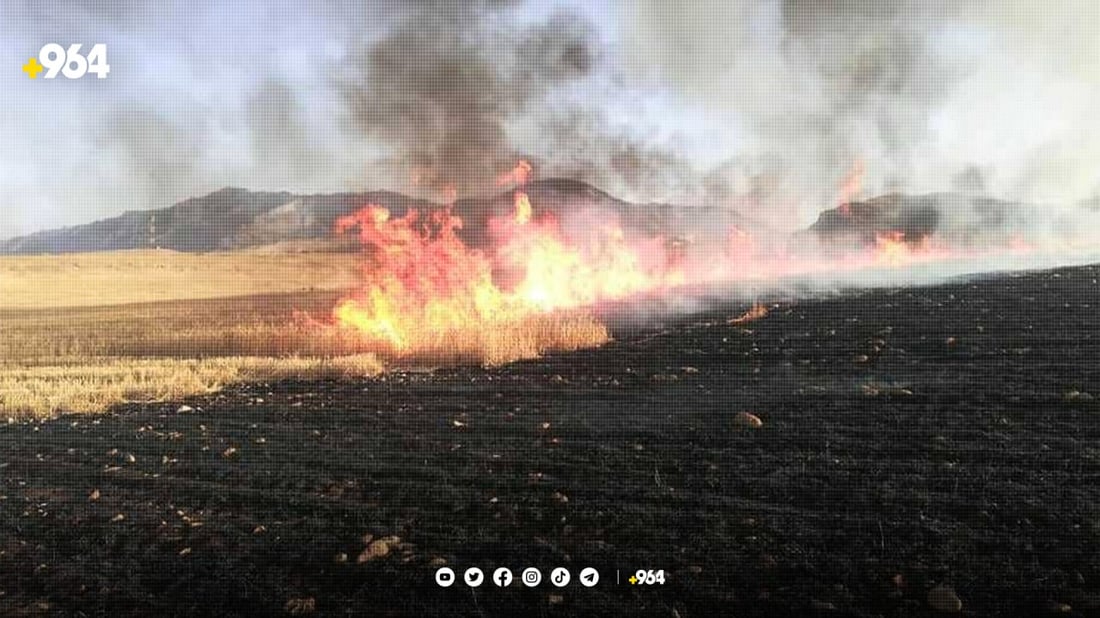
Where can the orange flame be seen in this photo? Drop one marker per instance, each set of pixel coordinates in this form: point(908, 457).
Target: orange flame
point(894, 248)
point(851, 187)
point(518, 175)
point(523, 208)
point(423, 282)
point(755, 312)
point(890, 247)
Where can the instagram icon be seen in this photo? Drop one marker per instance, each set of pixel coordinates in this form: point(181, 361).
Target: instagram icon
point(531, 577)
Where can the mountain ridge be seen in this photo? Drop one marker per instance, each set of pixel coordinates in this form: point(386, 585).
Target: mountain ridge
point(234, 218)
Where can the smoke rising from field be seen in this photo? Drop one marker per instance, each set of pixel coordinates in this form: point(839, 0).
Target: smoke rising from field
point(420, 97)
point(760, 105)
point(991, 97)
point(438, 89)
point(458, 92)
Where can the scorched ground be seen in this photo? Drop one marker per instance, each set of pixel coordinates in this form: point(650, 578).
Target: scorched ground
point(913, 440)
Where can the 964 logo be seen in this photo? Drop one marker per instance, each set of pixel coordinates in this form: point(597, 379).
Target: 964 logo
point(69, 62)
point(647, 577)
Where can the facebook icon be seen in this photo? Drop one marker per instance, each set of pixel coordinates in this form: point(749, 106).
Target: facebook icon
point(502, 577)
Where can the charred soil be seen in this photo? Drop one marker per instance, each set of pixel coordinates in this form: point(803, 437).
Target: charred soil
point(909, 440)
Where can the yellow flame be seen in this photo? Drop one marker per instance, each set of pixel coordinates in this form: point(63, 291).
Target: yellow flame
point(523, 208)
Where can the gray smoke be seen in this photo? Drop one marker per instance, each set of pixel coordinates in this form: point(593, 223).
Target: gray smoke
point(436, 94)
point(786, 97)
point(338, 95)
point(447, 87)
point(990, 96)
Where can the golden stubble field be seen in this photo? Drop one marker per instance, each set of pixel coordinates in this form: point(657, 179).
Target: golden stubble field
point(79, 333)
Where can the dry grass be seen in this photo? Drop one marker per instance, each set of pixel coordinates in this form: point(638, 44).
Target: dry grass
point(271, 326)
point(98, 383)
point(505, 342)
point(249, 326)
point(144, 276)
point(62, 352)
point(87, 359)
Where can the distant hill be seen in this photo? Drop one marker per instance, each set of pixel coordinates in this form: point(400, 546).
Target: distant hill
point(227, 219)
point(234, 218)
point(954, 217)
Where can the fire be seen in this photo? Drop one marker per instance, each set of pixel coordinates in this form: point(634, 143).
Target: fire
point(755, 312)
point(890, 247)
point(558, 274)
point(851, 187)
point(894, 248)
point(422, 283)
point(523, 208)
point(423, 286)
point(518, 175)
point(421, 277)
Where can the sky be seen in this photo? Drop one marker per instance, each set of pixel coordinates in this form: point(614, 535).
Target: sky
point(759, 105)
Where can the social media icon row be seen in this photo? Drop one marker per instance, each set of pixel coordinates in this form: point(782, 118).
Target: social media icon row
point(530, 577)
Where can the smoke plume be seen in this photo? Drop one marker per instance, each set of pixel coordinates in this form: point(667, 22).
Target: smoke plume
point(996, 96)
point(765, 106)
point(439, 89)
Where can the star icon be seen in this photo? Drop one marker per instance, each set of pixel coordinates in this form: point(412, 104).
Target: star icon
point(32, 68)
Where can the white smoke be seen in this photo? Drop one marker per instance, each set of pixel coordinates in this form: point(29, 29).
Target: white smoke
point(996, 97)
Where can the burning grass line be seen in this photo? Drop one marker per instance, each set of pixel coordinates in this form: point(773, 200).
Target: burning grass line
point(88, 360)
point(499, 343)
point(755, 312)
point(59, 355)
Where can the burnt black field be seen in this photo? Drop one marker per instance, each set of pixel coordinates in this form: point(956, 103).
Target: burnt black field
point(912, 438)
